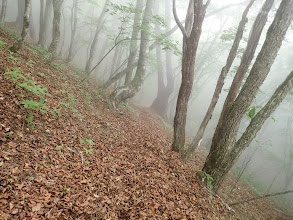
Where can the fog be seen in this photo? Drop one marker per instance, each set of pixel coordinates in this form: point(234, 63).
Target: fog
point(270, 155)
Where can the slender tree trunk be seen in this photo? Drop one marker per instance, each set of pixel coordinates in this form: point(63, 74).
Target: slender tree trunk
point(25, 27)
point(44, 21)
point(73, 30)
point(57, 5)
point(227, 150)
point(133, 42)
point(198, 137)
point(20, 11)
point(191, 35)
point(3, 12)
point(160, 104)
point(95, 40)
point(247, 57)
point(123, 93)
point(32, 32)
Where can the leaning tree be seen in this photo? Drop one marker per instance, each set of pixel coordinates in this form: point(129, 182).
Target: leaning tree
point(226, 148)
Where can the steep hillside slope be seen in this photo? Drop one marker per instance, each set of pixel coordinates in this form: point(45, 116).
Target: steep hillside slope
point(66, 154)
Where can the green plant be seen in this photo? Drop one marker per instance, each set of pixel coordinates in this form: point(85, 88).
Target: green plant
point(87, 141)
point(31, 178)
point(87, 162)
point(30, 63)
point(40, 106)
point(209, 179)
point(64, 191)
point(58, 148)
point(2, 43)
point(15, 75)
point(88, 151)
point(250, 113)
point(71, 98)
point(56, 112)
point(30, 119)
point(64, 103)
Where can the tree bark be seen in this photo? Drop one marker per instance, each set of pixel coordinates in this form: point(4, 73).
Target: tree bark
point(226, 150)
point(3, 12)
point(123, 93)
point(133, 42)
point(57, 5)
point(25, 27)
point(220, 83)
point(191, 35)
point(247, 57)
point(44, 21)
point(95, 40)
point(73, 30)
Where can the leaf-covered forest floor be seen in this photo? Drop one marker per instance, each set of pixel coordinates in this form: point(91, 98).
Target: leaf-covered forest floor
point(66, 154)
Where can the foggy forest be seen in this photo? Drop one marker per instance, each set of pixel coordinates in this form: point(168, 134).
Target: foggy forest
point(146, 109)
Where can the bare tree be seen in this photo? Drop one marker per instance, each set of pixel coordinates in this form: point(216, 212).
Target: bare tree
point(191, 35)
point(25, 27)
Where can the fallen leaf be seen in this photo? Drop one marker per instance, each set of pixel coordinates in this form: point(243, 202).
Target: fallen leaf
point(37, 207)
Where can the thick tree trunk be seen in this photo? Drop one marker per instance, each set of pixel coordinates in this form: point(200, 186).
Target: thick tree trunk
point(44, 21)
point(123, 93)
point(198, 137)
point(73, 30)
point(191, 35)
point(247, 57)
point(3, 12)
point(95, 40)
point(160, 104)
point(25, 27)
point(133, 42)
point(226, 150)
point(57, 5)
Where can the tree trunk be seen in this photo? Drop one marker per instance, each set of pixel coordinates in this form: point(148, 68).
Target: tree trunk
point(198, 137)
point(25, 27)
point(44, 21)
point(119, 75)
point(133, 42)
point(95, 40)
point(160, 104)
point(247, 57)
point(20, 12)
point(191, 35)
point(226, 150)
point(57, 5)
point(3, 12)
point(73, 30)
point(123, 93)
point(32, 32)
